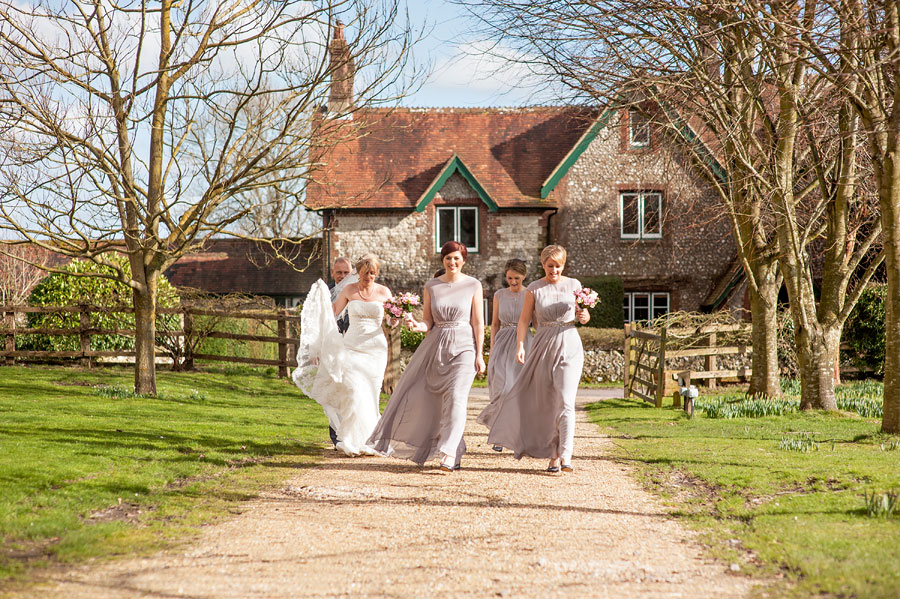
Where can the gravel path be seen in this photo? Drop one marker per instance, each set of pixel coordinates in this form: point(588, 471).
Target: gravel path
point(374, 527)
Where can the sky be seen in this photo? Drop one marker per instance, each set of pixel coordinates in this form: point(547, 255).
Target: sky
point(462, 75)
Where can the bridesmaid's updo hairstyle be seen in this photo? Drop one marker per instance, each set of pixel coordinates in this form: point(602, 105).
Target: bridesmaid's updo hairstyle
point(454, 246)
point(367, 263)
point(516, 265)
point(554, 252)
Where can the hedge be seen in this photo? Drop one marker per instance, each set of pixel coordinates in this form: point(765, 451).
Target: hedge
point(607, 314)
point(864, 330)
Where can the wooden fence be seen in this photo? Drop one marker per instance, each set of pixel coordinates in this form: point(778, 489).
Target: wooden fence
point(285, 337)
point(286, 343)
point(646, 351)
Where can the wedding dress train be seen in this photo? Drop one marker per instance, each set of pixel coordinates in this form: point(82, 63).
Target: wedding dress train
point(343, 373)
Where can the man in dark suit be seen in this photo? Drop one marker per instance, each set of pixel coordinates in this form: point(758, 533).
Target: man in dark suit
point(340, 269)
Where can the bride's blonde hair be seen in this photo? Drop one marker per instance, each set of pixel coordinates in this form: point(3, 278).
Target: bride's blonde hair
point(367, 262)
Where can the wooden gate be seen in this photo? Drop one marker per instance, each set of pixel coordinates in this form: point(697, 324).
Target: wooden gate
point(645, 364)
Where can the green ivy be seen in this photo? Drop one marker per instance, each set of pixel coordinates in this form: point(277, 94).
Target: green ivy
point(60, 289)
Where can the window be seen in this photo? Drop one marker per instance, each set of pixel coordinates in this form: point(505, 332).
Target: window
point(638, 129)
point(645, 305)
point(640, 214)
point(457, 223)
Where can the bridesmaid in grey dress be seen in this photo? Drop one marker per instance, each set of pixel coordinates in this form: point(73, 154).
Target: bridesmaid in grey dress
point(426, 415)
point(503, 369)
point(536, 416)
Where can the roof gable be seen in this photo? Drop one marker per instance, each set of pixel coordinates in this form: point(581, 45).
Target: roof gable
point(703, 152)
point(399, 161)
point(455, 165)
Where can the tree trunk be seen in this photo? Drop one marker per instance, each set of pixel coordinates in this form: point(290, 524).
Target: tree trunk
point(817, 353)
point(890, 217)
point(145, 337)
point(765, 380)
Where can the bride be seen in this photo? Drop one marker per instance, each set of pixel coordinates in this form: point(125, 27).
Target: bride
point(344, 373)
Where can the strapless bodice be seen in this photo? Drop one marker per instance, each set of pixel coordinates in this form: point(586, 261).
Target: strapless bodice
point(363, 310)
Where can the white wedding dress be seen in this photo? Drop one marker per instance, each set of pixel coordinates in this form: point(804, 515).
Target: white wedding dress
point(343, 373)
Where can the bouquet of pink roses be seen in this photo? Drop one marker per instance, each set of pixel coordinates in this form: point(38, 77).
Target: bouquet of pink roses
point(586, 298)
point(397, 305)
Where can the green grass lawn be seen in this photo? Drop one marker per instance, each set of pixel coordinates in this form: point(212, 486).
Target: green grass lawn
point(87, 469)
point(796, 516)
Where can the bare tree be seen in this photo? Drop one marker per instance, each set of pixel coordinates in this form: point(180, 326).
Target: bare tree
point(855, 45)
point(126, 127)
point(732, 88)
point(21, 268)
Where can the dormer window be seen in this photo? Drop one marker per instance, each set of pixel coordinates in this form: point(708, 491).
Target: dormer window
point(638, 129)
point(457, 223)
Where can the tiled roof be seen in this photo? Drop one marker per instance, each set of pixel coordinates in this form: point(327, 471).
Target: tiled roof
point(242, 266)
point(509, 151)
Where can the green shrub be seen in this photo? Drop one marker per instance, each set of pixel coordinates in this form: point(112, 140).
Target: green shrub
point(864, 331)
point(410, 339)
point(607, 314)
point(60, 289)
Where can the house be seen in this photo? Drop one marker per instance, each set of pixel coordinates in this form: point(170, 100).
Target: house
point(604, 183)
point(230, 265)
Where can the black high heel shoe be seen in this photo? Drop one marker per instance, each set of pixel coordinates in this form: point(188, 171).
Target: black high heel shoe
point(552, 468)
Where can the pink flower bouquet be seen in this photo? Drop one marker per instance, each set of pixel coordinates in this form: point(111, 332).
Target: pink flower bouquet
point(586, 298)
point(398, 305)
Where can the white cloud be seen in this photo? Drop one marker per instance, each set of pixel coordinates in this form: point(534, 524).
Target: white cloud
point(485, 72)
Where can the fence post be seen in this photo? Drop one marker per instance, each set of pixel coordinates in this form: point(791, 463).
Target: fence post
point(392, 372)
point(628, 357)
point(282, 345)
point(661, 369)
point(10, 318)
point(85, 334)
point(711, 361)
point(188, 339)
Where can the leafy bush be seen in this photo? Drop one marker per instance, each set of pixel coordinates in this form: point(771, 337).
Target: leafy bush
point(607, 314)
point(410, 340)
point(864, 331)
point(68, 290)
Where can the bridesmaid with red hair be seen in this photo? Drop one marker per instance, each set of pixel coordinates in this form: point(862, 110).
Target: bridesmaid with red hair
point(426, 415)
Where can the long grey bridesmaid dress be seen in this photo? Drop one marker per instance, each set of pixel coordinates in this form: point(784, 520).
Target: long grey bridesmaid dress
point(536, 416)
point(503, 368)
point(426, 414)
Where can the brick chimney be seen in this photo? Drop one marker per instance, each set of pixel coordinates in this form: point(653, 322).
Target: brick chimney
point(340, 99)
